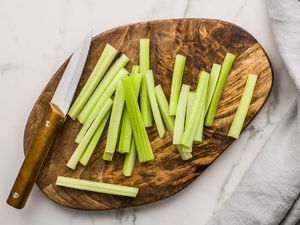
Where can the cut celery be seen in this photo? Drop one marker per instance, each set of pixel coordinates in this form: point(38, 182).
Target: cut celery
point(115, 119)
point(94, 186)
point(109, 76)
point(101, 67)
point(130, 160)
point(154, 107)
point(180, 114)
point(107, 156)
point(189, 105)
point(144, 149)
point(185, 152)
point(164, 109)
point(144, 66)
point(135, 69)
point(225, 70)
point(73, 161)
point(213, 79)
point(85, 157)
point(176, 83)
point(126, 130)
point(242, 110)
point(199, 104)
point(102, 112)
point(98, 107)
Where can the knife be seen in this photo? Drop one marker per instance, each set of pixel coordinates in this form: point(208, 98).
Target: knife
point(53, 120)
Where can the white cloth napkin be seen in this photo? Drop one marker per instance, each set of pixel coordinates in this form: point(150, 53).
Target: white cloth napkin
point(269, 193)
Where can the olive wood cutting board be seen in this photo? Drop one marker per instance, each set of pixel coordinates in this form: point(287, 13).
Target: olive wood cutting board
point(204, 42)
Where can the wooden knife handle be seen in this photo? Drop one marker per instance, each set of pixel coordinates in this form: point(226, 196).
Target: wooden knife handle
point(35, 157)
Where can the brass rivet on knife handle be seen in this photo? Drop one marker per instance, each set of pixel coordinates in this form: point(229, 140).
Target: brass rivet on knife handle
point(35, 157)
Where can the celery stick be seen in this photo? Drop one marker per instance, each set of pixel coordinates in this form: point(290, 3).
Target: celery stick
point(144, 66)
point(135, 69)
point(242, 110)
point(176, 83)
point(185, 155)
point(155, 110)
point(94, 186)
point(164, 109)
point(180, 113)
point(98, 107)
point(185, 152)
point(85, 157)
point(199, 104)
point(213, 79)
point(73, 161)
point(225, 70)
point(189, 105)
point(126, 130)
point(101, 67)
point(130, 160)
point(115, 119)
point(109, 76)
point(144, 149)
point(107, 156)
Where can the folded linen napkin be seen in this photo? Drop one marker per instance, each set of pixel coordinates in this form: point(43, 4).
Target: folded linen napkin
point(269, 193)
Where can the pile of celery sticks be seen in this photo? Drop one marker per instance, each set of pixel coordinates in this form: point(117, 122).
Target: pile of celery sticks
point(129, 102)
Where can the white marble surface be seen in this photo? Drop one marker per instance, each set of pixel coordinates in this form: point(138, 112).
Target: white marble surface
point(36, 37)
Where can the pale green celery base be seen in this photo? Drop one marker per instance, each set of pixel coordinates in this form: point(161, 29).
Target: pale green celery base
point(135, 69)
point(181, 113)
point(106, 58)
point(94, 186)
point(73, 161)
point(153, 103)
point(85, 157)
point(109, 76)
point(225, 70)
point(176, 83)
point(107, 156)
point(130, 160)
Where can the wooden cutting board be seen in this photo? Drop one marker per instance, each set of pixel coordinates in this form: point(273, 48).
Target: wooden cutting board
point(204, 42)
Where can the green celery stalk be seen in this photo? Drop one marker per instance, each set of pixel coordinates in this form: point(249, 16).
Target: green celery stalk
point(189, 105)
point(242, 110)
point(164, 109)
point(180, 113)
point(153, 103)
point(135, 69)
point(101, 67)
point(73, 161)
point(126, 130)
point(225, 70)
point(212, 83)
point(98, 107)
point(144, 149)
point(94, 186)
point(199, 104)
point(102, 112)
point(145, 66)
point(85, 157)
point(115, 119)
point(185, 152)
point(130, 160)
point(107, 156)
point(176, 83)
point(112, 72)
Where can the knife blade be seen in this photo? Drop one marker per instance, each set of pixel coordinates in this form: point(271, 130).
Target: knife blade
point(53, 120)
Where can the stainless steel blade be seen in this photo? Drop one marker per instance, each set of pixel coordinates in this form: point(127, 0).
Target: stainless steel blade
point(66, 88)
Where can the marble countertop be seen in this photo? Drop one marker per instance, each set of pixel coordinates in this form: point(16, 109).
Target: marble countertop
point(37, 36)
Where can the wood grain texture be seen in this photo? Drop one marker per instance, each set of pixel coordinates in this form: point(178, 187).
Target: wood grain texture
point(204, 42)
